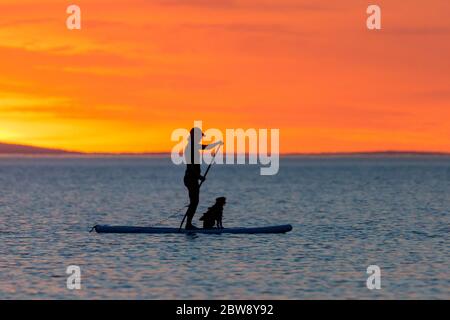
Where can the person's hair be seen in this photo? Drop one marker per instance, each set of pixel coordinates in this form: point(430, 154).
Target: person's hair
point(195, 131)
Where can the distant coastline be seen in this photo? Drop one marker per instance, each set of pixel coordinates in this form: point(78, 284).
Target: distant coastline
point(20, 149)
point(368, 154)
point(10, 150)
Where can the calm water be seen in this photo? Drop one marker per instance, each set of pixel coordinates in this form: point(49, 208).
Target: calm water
point(347, 214)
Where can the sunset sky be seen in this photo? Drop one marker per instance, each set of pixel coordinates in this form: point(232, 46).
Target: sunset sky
point(138, 69)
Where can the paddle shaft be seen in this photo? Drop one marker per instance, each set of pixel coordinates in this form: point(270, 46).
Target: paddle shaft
point(204, 178)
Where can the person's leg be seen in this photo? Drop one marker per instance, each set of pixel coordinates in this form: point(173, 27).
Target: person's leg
point(194, 197)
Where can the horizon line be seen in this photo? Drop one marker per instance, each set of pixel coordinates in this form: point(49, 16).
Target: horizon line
point(288, 154)
point(57, 151)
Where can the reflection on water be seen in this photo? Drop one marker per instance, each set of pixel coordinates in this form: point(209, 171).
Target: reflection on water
point(346, 213)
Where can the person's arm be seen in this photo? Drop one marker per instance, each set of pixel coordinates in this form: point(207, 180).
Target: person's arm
point(212, 145)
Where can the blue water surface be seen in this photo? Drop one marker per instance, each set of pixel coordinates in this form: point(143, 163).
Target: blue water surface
point(347, 213)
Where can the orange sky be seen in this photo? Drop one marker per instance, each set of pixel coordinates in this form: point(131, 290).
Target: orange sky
point(139, 69)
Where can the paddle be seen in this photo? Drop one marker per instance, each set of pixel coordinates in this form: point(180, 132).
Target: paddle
point(204, 176)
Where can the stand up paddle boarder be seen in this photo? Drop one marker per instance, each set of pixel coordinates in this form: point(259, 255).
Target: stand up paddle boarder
point(193, 175)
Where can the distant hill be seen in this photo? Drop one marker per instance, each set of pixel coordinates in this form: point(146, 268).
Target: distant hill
point(372, 153)
point(8, 148)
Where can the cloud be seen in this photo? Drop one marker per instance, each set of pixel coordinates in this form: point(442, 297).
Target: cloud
point(15, 106)
point(249, 28)
point(417, 31)
point(200, 3)
point(25, 22)
point(433, 95)
point(257, 5)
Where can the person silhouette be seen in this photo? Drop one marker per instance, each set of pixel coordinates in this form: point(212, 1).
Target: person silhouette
point(192, 175)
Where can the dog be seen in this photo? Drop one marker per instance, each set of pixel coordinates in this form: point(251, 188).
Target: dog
point(214, 215)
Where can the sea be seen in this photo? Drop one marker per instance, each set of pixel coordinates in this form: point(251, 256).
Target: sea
point(350, 214)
